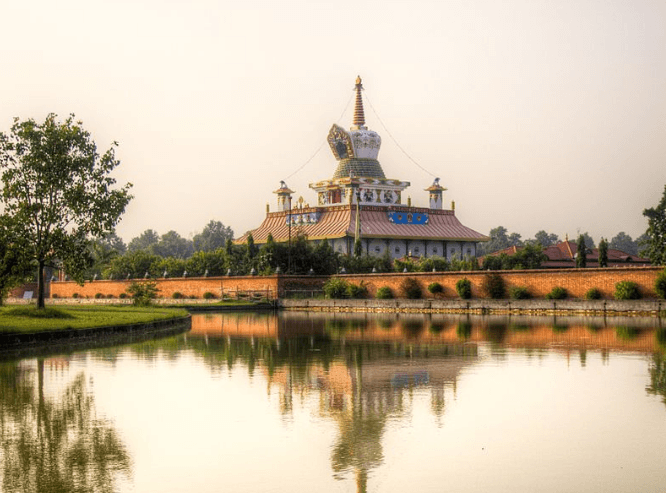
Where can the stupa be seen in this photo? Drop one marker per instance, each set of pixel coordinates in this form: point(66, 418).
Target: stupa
point(359, 203)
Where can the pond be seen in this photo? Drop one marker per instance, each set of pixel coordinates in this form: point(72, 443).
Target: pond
point(325, 402)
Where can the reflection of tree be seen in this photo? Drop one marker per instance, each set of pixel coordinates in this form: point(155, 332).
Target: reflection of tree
point(657, 371)
point(55, 445)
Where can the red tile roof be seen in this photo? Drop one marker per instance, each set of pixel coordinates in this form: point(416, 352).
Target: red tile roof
point(563, 254)
point(339, 221)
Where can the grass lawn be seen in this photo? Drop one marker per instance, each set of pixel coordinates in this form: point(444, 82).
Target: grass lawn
point(27, 319)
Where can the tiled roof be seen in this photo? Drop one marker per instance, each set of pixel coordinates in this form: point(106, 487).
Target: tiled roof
point(339, 221)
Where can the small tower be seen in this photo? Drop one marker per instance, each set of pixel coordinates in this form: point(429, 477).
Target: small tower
point(435, 194)
point(284, 197)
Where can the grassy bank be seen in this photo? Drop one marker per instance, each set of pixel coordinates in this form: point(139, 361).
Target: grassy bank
point(27, 319)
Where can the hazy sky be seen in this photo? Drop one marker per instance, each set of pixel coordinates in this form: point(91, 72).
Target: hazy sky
point(534, 114)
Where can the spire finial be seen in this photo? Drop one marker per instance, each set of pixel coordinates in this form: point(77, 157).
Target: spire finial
point(359, 115)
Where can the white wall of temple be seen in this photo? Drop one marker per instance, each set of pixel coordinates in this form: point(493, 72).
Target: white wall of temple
point(399, 248)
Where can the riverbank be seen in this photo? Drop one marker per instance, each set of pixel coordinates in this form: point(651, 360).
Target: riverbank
point(25, 326)
point(640, 308)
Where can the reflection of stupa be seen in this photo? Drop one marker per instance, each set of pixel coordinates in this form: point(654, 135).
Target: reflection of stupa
point(359, 202)
point(362, 391)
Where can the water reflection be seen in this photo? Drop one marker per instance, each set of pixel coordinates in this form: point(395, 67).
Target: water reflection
point(55, 442)
point(361, 376)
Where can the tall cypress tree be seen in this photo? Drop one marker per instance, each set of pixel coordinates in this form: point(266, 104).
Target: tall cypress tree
point(603, 253)
point(581, 255)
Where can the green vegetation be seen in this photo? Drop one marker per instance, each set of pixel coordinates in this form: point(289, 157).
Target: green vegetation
point(660, 284)
point(384, 293)
point(143, 293)
point(520, 293)
point(581, 252)
point(411, 288)
point(435, 288)
point(464, 288)
point(357, 290)
point(593, 294)
point(58, 193)
point(655, 241)
point(336, 288)
point(493, 285)
point(528, 257)
point(557, 293)
point(30, 319)
point(208, 296)
point(603, 253)
point(627, 290)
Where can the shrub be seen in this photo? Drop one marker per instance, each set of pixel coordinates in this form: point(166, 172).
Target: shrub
point(208, 295)
point(335, 288)
point(593, 294)
point(627, 290)
point(660, 284)
point(55, 295)
point(357, 291)
point(98, 296)
point(110, 296)
point(435, 288)
point(177, 295)
point(75, 295)
point(557, 293)
point(464, 288)
point(384, 293)
point(142, 292)
point(520, 293)
point(411, 288)
point(493, 285)
point(122, 296)
point(192, 296)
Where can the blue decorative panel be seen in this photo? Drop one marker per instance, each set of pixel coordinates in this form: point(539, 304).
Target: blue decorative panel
point(408, 217)
point(303, 218)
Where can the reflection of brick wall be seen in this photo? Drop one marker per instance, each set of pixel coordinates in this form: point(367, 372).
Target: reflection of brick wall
point(539, 282)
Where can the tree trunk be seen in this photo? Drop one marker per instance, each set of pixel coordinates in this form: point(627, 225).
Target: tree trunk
point(40, 285)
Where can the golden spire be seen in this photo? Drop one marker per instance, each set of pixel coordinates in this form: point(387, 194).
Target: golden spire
point(359, 115)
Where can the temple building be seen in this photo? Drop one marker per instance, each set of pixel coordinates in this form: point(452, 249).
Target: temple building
point(359, 203)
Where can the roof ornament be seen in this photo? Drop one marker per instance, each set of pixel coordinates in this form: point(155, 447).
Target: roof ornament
point(283, 184)
point(359, 114)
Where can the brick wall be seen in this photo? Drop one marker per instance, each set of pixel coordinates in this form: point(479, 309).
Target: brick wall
point(539, 282)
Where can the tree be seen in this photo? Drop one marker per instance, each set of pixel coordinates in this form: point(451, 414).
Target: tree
point(499, 240)
point(14, 267)
point(655, 246)
point(59, 193)
point(624, 243)
point(213, 236)
point(545, 239)
point(589, 242)
point(603, 253)
point(145, 241)
point(171, 244)
point(581, 252)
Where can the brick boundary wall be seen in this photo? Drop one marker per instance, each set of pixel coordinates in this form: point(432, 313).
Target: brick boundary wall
point(539, 282)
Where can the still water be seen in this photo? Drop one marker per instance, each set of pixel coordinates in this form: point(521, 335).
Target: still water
point(342, 403)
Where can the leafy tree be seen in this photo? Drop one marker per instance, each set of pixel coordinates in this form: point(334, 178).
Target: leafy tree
point(589, 242)
point(14, 266)
point(143, 292)
point(655, 246)
point(514, 239)
point(581, 252)
point(358, 248)
point(624, 243)
point(545, 239)
point(215, 263)
point(144, 241)
point(135, 265)
point(171, 244)
point(499, 240)
point(214, 236)
point(251, 249)
point(170, 267)
point(59, 192)
point(603, 253)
